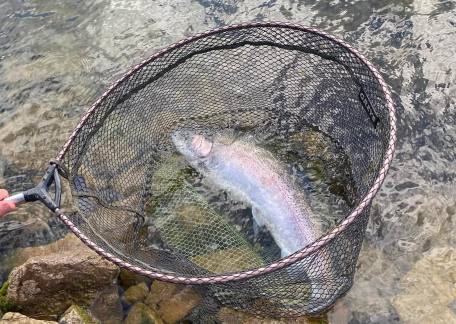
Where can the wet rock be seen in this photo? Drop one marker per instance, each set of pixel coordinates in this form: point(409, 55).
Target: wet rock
point(17, 234)
point(50, 284)
point(6, 305)
point(128, 278)
point(77, 315)
point(69, 242)
point(229, 260)
point(172, 302)
point(18, 318)
point(137, 293)
point(429, 289)
point(227, 315)
point(367, 317)
point(107, 307)
point(339, 313)
point(140, 313)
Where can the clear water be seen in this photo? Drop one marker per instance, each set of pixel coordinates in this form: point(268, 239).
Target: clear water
point(57, 56)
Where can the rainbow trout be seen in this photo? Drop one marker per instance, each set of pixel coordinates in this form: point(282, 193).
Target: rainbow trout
point(254, 176)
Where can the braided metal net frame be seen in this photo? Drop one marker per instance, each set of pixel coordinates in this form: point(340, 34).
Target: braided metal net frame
point(237, 75)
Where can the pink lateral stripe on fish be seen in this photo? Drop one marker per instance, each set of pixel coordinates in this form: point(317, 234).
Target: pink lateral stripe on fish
point(253, 174)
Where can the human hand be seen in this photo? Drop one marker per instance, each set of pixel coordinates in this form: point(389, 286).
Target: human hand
point(5, 206)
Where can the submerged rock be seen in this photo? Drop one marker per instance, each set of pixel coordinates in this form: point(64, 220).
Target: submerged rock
point(429, 289)
point(228, 315)
point(21, 255)
point(107, 307)
point(69, 243)
point(77, 315)
point(128, 278)
point(140, 313)
point(18, 318)
point(16, 234)
point(137, 293)
point(172, 302)
point(46, 286)
point(229, 260)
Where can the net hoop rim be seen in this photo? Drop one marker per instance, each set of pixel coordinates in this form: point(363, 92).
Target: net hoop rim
point(279, 264)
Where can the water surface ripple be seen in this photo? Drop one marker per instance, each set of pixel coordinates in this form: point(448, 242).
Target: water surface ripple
point(57, 56)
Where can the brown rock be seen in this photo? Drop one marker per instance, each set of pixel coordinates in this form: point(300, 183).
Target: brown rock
point(69, 243)
point(140, 313)
point(17, 318)
point(21, 255)
point(137, 293)
point(128, 278)
point(160, 291)
point(107, 307)
point(47, 286)
point(172, 302)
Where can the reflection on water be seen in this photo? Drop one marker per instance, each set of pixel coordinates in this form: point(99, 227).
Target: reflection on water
point(56, 56)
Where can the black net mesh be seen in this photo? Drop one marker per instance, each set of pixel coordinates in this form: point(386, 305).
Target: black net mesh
point(270, 80)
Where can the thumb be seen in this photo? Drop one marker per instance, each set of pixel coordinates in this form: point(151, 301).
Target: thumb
point(6, 207)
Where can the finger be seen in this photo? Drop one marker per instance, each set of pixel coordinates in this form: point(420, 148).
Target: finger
point(3, 194)
point(6, 207)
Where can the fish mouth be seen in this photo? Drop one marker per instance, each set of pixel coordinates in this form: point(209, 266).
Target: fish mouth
point(201, 145)
point(191, 144)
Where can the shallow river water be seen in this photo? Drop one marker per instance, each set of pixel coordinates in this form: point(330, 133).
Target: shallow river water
point(57, 56)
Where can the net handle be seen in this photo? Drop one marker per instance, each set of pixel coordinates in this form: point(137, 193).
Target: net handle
point(41, 191)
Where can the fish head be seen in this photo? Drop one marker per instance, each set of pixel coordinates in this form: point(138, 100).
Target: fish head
point(193, 146)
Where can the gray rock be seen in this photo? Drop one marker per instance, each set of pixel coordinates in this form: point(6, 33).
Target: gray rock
point(50, 284)
point(17, 318)
point(17, 234)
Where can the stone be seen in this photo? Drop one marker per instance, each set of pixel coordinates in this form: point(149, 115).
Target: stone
point(172, 302)
point(20, 234)
point(6, 305)
point(229, 260)
point(50, 284)
point(21, 254)
point(77, 315)
point(107, 307)
point(129, 278)
point(18, 318)
point(140, 313)
point(429, 289)
point(137, 293)
point(339, 313)
point(228, 315)
point(69, 243)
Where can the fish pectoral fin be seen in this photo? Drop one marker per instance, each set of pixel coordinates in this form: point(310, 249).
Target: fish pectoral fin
point(258, 217)
point(257, 221)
